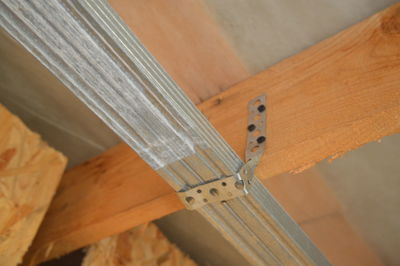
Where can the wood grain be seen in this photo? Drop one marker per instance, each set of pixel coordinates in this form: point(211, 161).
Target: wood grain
point(310, 202)
point(29, 174)
point(187, 42)
point(332, 98)
point(141, 246)
point(340, 243)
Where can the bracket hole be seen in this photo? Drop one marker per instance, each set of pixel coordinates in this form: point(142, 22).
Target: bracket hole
point(257, 117)
point(251, 127)
point(190, 200)
point(214, 192)
point(260, 139)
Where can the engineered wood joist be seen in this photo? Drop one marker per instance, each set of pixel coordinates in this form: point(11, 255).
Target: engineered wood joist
point(29, 174)
point(331, 98)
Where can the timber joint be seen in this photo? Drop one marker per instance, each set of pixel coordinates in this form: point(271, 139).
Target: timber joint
point(222, 189)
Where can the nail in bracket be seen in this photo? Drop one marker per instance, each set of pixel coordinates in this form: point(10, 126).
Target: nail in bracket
point(237, 185)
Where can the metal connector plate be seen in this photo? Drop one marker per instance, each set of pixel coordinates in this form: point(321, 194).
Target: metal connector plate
point(218, 190)
point(256, 128)
point(237, 185)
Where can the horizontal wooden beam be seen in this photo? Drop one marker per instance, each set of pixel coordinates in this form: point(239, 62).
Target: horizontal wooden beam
point(330, 99)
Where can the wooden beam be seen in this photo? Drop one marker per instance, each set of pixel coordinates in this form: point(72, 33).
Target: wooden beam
point(105, 198)
point(29, 174)
point(330, 99)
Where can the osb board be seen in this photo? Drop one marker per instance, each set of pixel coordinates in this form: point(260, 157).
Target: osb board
point(29, 174)
point(141, 246)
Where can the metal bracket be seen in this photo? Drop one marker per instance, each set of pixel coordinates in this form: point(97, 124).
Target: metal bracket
point(256, 129)
point(218, 190)
point(237, 185)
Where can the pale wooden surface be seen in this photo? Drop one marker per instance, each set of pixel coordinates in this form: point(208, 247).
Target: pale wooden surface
point(340, 243)
point(330, 99)
point(311, 203)
point(29, 174)
point(144, 245)
point(187, 42)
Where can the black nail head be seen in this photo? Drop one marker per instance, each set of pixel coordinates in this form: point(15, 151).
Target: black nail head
point(260, 139)
point(251, 127)
point(261, 108)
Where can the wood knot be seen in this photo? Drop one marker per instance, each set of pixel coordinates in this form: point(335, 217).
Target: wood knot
point(6, 157)
point(390, 23)
point(218, 101)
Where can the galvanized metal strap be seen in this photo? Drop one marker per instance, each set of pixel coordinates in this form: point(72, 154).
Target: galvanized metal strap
point(237, 185)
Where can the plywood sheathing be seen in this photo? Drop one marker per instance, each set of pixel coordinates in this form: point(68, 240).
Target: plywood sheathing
point(143, 245)
point(30, 171)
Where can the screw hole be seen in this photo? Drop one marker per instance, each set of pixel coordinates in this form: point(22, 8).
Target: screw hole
point(199, 191)
point(261, 108)
point(260, 139)
point(205, 200)
point(190, 200)
point(223, 184)
point(251, 127)
point(214, 192)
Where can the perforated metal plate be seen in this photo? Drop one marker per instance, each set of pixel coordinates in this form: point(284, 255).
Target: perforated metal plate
point(219, 190)
point(256, 128)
